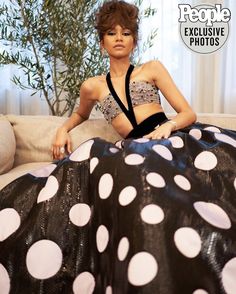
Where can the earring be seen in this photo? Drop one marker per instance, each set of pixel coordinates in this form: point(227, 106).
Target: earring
point(104, 53)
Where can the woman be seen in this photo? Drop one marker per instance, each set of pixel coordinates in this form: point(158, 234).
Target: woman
point(155, 216)
point(117, 25)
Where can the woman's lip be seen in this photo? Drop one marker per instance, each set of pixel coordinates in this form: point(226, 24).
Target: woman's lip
point(119, 46)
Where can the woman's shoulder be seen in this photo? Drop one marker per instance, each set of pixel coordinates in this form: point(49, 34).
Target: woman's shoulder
point(151, 65)
point(93, 81)
point(154, 69)
point(92, 85)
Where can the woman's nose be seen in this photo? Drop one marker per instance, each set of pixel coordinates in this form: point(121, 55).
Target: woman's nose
point(119, 36)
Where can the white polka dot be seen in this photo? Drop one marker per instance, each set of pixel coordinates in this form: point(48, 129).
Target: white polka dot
point(226, 139)
point(213, 214)
point(105, 186)
point(93, 163)
point(163, 151)
point(152, 214)
point(9, 222)
point(176, 142)
point(80, 214)
point(44, 259)
point(182, 182)
point(188, 242)
point(123, 248)
point(82, 152)
point(197, 134)
point(212, 129)
point(228, 276)
point(141, 140)
point(127, 195)
point(49, 190)
point(134, 159)
point(102, 238)
point(108, 290)
point(205, 160)
point(235, 183)
point(118, 144)
point(84, 283)
point(200, 291)
point(4, 280)
point(44, 171)
point(113, 150)
point(142, 269)
point(155, 180)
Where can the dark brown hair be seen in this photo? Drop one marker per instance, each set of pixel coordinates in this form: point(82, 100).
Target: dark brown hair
point(115, 12)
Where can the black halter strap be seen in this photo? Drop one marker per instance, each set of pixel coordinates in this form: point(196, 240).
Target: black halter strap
point(130, 111)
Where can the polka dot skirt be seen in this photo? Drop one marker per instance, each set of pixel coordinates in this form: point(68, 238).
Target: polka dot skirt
point(152, 216)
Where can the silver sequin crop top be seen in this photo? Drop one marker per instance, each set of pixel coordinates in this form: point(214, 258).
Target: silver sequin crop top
point(141, 92)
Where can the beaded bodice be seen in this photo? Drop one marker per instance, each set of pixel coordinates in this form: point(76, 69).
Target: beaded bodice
point(141, 92)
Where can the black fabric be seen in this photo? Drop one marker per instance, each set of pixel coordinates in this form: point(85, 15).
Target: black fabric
point(148, 125)
point(156, 217)
point(130, 111)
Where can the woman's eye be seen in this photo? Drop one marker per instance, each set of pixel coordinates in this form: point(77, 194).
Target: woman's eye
point(114, 33)
point(127, 33)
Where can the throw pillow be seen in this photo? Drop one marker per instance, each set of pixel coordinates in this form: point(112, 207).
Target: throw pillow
point(7, 146)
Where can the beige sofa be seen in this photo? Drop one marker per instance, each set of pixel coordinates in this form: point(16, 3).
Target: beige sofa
point(25, 141)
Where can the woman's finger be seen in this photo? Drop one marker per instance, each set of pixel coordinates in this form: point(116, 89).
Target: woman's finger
point(149, 136)
point(69, 146)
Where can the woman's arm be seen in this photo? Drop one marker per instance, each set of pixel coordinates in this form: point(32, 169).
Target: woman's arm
point(81, 114)
point(185, 115)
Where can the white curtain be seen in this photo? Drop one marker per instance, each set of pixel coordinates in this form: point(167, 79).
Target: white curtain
point(207, 81)
point(13, 100)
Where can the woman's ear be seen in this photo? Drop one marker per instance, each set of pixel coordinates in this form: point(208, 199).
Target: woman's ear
point(101, 44)
point(103, 50)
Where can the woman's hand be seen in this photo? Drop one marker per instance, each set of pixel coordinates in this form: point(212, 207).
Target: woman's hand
point(162, 131)
point(61, 144)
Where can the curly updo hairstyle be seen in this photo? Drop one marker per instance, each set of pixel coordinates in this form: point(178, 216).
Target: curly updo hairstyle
point(116, 12)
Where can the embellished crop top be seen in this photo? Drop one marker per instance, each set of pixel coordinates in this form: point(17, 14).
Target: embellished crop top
point(141, 92)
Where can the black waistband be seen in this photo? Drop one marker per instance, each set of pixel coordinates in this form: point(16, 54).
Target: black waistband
point(148, 125)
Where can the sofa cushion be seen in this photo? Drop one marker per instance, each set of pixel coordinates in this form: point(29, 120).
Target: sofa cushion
point(7, 146)
point(34, 135)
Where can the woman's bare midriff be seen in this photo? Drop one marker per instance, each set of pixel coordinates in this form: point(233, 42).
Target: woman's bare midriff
point(123, 126)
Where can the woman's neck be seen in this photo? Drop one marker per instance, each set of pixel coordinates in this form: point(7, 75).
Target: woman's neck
point(119, 68)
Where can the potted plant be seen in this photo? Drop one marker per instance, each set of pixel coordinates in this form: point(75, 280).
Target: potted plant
point(56, 46)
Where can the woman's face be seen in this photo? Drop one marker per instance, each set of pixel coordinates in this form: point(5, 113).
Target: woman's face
point(118, 42)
